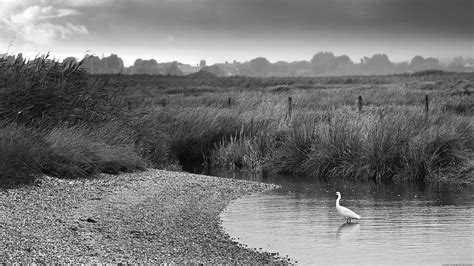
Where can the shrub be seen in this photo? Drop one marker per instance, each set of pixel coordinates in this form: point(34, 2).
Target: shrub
point(21, 153)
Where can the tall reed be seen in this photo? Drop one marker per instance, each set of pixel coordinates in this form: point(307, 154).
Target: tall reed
point(43, 92)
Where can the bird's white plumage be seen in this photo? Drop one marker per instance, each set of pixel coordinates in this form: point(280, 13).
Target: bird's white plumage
point(345, 212)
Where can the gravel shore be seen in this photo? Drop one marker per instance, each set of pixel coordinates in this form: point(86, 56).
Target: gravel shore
point(148, 217)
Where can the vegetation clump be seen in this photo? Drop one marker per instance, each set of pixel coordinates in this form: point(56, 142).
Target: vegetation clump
point(54, 119)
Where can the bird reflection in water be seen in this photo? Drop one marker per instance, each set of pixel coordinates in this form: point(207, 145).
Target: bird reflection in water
point(347, 231)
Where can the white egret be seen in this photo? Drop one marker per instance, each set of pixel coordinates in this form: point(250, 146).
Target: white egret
point(345, 212)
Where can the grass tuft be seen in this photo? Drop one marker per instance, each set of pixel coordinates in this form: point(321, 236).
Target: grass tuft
point(78, 152)
point(22, 151)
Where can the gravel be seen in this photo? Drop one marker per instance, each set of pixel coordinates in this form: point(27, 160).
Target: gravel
point(148, 217)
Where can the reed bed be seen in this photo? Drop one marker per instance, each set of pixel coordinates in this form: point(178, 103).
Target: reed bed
point(56, 119)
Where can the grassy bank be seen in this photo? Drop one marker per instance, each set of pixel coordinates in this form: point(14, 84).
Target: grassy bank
point(81, 125)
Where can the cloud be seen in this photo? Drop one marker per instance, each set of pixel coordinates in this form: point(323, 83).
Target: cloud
point(35, 13)
point(51, 12)
point(40, 25)
point(47, 33)
point(77, 3)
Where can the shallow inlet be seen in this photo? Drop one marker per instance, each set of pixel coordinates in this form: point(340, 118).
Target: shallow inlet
point(414, 224)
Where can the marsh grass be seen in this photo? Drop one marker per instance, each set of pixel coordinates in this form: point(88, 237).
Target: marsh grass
point(189, 134)
point(325, 137)
point(22, 151)
point(463, 105)
point(249, 149)
point(401, 144)
point(393, 137)
point(43, 92)
point(445, 145)
point(78, 152)
point(54, 119)
point(58, 120)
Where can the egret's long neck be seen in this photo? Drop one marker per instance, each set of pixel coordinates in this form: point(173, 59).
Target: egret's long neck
point(337, 201)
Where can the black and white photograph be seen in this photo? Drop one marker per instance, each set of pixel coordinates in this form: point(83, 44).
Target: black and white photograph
point(288, 132)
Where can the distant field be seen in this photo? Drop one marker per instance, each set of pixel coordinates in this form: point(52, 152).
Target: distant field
point(57, 119)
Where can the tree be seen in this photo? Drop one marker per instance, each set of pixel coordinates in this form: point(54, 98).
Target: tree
point(245, 69)
point(457, 64)
point(91, 64)
point(296, 67)
point(260, 66)
point(111, 64)
point(173, 70)
point(323, 62)
point(149, 67)
point(377, 64)
point(329, 64)
point(281, 67)
point(214, 69)
point(419, 63)
point(69, 60)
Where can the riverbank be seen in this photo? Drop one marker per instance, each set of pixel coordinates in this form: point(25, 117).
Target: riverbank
point(147, 217)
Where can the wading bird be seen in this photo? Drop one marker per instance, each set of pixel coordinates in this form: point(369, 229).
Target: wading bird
point(345, 212)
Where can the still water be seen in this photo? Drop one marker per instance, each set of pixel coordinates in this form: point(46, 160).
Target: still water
point(414, 224)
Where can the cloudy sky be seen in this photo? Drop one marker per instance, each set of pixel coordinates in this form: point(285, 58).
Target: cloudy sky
point(227, 30)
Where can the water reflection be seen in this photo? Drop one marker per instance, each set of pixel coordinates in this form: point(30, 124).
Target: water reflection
point(433, 194)
point(401, 223)
point(347, 231)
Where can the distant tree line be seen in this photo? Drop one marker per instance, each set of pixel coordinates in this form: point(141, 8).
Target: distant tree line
point(105, 65)
point(322, 64)
point(114, 65)
point(327, 64)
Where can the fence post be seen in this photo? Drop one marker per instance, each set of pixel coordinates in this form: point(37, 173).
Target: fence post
point(289, 106)
point(228, 100)
point(359, 103)
point(427, 104)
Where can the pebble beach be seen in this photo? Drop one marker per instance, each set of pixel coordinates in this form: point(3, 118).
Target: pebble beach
point(146, 217)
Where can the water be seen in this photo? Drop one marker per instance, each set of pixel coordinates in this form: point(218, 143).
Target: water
point(414, 224)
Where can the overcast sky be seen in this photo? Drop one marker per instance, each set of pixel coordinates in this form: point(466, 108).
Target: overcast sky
point(227, 30)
